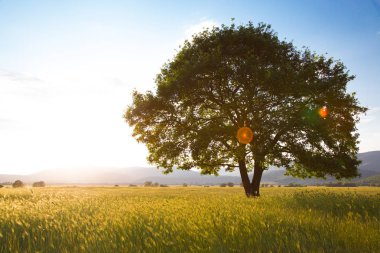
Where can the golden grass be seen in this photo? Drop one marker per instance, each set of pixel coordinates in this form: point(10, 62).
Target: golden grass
point(189, 219)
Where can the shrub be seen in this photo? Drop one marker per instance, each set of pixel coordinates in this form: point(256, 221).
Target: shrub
point(184, 185)
point(1, 186)
point(148, 183)
point(341, 184)
point(132, 185)
point(294, 185)
point(156, 185)
point(230, 184)
point(39, 184)
point(18, 184)
point(223, 185)
point(164, 185)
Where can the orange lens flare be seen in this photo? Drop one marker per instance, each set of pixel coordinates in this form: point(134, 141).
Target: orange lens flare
point(323, 112)
point(244, 135)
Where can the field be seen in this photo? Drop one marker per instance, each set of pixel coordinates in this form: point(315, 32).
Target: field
point(189, 219)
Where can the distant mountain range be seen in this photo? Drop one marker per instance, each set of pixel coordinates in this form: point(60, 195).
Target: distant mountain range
point(369, 169)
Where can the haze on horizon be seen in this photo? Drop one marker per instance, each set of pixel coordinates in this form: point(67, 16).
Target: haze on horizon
point(67, 69)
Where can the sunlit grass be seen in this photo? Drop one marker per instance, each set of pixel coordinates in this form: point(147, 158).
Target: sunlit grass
point(189, 219)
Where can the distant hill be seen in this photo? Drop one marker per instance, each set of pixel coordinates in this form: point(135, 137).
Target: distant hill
point(131, 175)
point(370, 180)
point(369, 169)
point(370, 165)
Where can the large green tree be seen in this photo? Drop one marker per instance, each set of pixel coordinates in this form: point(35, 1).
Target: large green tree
point(228, 77)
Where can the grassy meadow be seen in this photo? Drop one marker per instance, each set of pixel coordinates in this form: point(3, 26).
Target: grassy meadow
point(189, 219)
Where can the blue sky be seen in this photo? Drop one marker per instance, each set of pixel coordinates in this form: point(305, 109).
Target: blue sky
point(67, 68)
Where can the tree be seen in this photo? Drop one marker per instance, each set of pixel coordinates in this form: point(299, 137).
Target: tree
point(39, 184)
point(295, 102)
point(18, 184)
point(148, 184)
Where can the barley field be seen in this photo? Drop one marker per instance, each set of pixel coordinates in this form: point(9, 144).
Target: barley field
point(189, 219)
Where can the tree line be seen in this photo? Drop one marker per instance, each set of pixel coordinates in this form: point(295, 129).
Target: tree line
point(20, 184)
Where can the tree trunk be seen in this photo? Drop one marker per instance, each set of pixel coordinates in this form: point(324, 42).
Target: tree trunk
point(244, 177)
point(251, 189)
point(255, 186)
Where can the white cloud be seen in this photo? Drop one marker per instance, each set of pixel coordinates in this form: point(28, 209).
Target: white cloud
point(195, 28)
point(199, 27)
point(370, 116)
point(369, 141)
point(18, 77)
point(13, 83)
point(368, 129)
point(77, 122)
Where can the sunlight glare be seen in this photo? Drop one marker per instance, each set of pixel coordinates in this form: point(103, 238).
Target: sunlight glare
point(323, 112)
point(244, 135)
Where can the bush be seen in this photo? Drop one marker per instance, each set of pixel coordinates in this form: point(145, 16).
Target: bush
point(295, 185)
point(132, 185)
point(184, 185)
point(223, 185)
point(39, 184)
point(164, 185)
point(148, 183)
point(151, 184)
point(18, 184)
point(230, 184)
point(341, 184)
point(1, 186)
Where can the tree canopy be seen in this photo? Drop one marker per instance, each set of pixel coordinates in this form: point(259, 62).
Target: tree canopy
point(231, 77)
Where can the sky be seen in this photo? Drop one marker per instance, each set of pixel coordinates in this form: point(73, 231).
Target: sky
point(68, 68)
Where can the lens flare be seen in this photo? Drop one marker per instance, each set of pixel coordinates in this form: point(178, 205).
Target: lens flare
point(323, 112)
point(244, 135)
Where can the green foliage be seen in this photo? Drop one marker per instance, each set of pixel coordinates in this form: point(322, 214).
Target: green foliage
point(18, 184)
point(172, 219)
point(233, 76)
